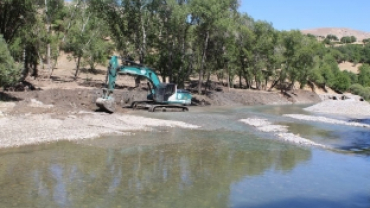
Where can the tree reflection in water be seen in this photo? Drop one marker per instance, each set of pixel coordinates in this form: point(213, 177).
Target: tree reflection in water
point(193, 172)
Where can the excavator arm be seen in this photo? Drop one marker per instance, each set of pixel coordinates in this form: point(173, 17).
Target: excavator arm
point(133, 69)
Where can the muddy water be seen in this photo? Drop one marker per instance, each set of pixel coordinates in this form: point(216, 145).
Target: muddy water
point(223, 164)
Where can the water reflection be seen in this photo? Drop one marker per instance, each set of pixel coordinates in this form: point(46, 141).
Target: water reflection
point(226, 164)
point(196, 172)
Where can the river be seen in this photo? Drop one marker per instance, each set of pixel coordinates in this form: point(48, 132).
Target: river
point(225, 163)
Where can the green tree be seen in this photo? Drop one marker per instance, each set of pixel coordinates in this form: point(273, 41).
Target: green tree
point(353, 77)
point(14, 15)
point(364, 75)
point(85, 40)
point(242, 46)
point(342, 82)
point(262, 49)
point(348, 39)
point(209, 17)
point(299, 53)
point(332, 37)
point(9, 71)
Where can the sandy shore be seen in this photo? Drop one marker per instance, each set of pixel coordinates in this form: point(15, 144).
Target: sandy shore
point(281, 132)
point(326, 120)
point(350, 108)
point(40, 128)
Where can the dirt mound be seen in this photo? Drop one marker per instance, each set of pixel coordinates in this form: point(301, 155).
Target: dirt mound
point(64, 101)
point(235, 97)
point(61, 100)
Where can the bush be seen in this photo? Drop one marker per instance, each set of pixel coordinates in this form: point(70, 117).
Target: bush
point(9, 73)
point(364, 75)
point(348, 39)
point(342, 82)
point(358, 89)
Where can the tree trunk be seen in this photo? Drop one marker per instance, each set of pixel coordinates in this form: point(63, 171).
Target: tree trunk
point(170, 65)
point(77, 66)
point(240, 80)
point(228, 76)
point(181, 76)
point(48, 47)
point(25, 66)
point(207, 84)
point(189, 68)
point(201, 70)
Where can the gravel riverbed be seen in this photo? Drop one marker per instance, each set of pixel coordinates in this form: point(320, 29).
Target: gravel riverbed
point(48, 123)
point(40, 128)
point(281, 132)
point(350, 108)
point(325, 120)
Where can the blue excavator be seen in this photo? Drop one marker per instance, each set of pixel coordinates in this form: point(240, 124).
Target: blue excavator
point(161, 96)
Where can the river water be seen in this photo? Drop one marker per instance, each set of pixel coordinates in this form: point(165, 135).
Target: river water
point(225, 163)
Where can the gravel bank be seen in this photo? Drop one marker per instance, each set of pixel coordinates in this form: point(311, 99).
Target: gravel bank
point(40, 128)
point(280, 131)
point(351, 108)
point(325, 120)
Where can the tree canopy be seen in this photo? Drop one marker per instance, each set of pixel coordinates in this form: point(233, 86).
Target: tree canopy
point(182, 40)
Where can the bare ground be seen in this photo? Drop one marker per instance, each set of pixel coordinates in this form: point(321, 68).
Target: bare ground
point(64, 107)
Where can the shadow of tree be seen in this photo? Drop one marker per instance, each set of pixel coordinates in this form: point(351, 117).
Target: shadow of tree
point(7, 98)
point(93, 71)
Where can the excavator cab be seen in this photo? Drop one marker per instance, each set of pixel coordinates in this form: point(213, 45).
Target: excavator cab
point(164, 91)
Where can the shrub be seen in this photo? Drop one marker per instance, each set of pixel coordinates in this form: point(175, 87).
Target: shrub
point(358, 89)
point(9, 73)
point(342, 82)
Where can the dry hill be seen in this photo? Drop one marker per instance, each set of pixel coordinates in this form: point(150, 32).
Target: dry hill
point(339, 32)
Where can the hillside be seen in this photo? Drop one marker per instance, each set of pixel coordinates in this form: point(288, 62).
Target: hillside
point(339, 32)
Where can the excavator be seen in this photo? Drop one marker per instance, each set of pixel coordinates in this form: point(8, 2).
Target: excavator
point(160, 95)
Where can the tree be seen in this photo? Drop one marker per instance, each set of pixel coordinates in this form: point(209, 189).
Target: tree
point(85, 40)
point(342, 82)
point(332, 37)
point(364, 75)
point(299, 54)
point(348, 39)
point(242, 49)
point(209, 17)
point(52, 10)
point(15, 14)
point(9, 71)
point(353, 77)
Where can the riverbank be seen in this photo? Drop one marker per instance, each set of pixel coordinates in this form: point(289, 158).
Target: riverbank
point(18, 130)
point(52, 114)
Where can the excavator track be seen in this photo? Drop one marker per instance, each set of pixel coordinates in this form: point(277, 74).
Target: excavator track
point(164, 108)
point(154, 107)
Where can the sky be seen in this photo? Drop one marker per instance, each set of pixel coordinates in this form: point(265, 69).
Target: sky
point(310, 14)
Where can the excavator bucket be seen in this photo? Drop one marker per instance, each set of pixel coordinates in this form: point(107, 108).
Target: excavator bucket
point(106, 102)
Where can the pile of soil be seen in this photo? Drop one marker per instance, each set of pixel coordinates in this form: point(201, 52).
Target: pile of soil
point(59, 100)
point(238, 97)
